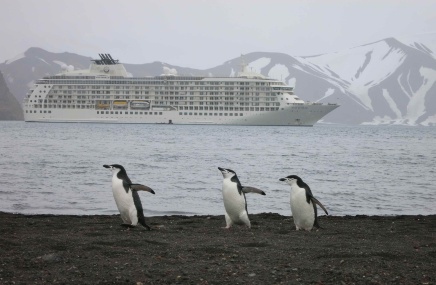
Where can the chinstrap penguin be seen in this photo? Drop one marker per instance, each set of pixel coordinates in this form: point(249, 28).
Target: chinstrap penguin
point(126, 197)
point(303, 204)
point(234, 199)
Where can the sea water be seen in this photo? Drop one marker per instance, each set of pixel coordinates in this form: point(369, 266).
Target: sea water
point(56, 168)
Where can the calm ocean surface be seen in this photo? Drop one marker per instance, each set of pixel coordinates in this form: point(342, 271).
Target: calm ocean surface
point(352, 170)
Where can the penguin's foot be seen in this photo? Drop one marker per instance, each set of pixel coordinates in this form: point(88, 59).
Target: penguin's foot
point(127, 226)
point(145, 225)
point(147, 228)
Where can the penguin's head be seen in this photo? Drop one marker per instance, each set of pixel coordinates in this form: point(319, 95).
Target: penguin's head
point(227, 172)
point(291, 179)
point(115, 168)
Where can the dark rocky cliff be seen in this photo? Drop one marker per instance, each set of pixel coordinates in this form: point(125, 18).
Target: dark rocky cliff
point(10, 108)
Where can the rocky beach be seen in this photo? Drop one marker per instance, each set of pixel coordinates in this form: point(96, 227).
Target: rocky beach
point(62, 249)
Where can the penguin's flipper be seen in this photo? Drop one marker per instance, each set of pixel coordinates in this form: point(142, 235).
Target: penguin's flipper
point(315, 210)
point(315, 201)
point(249, 189)
point(139, 187)
point(139, 210)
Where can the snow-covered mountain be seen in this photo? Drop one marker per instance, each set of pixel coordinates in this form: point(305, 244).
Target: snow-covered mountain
point(385, 82)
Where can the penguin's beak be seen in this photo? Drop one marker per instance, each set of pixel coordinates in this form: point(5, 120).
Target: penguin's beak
point(106, 166)
point(282, 179)
point(220, 169)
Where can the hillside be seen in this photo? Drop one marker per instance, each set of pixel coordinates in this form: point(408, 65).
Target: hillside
point(10, 109)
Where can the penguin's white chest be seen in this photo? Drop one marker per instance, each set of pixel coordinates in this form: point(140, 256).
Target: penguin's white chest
point(234, 203)
point(302, 212)
point(124, 201)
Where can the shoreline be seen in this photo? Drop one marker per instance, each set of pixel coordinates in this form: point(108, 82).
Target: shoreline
point(94, 249)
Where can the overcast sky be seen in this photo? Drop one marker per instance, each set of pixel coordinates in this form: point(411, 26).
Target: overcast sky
point(205, 33)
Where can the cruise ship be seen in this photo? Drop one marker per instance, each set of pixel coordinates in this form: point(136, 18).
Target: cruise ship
point(106, 93)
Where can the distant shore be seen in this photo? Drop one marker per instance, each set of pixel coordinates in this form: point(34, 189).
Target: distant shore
point(197, 250)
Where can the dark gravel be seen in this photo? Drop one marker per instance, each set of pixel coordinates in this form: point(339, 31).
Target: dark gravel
point(36, 249)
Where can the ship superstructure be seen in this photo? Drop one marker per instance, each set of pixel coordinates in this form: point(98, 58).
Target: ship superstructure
point(106, 93)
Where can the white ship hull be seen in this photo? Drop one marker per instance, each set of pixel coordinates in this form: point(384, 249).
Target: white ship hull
point(288, 117)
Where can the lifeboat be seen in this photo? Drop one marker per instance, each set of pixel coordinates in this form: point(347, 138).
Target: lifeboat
point(139, 105)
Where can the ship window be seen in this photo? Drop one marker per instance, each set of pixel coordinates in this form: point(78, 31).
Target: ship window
point(180, 113)
point(126, 113)
point(190, 113)
point(98, 112)
point(140, 113)
point(231, 114)
point(236, 114)
point(185, 113)
point(112, 112)
point(195, 114)
point(241, 114)
point(136, 113)
point(160, 113)
point(225, 114)
point(221, 114)
point(116, 112)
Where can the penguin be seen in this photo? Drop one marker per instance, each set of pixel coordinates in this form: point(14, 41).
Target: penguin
point(234, 199)
point(303, 204)
point(126, 197)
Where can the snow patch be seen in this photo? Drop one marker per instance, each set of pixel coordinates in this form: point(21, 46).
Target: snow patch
point(407, 91)
point(416, 106)
point(328, 93)
point(17, 57)
point(279, 72)
point(43, 60)
point(364, 66)
point(430, 121)
point(60, 63)
point(392, 103)
point(9, 78)
point(232, 73)
point(418, 41)
point(258, 64)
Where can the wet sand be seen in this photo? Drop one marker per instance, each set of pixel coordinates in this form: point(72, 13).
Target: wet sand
point(37, 249)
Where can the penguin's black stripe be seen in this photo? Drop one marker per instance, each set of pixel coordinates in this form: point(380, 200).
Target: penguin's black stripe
point(235, 179)
point(122, 174)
